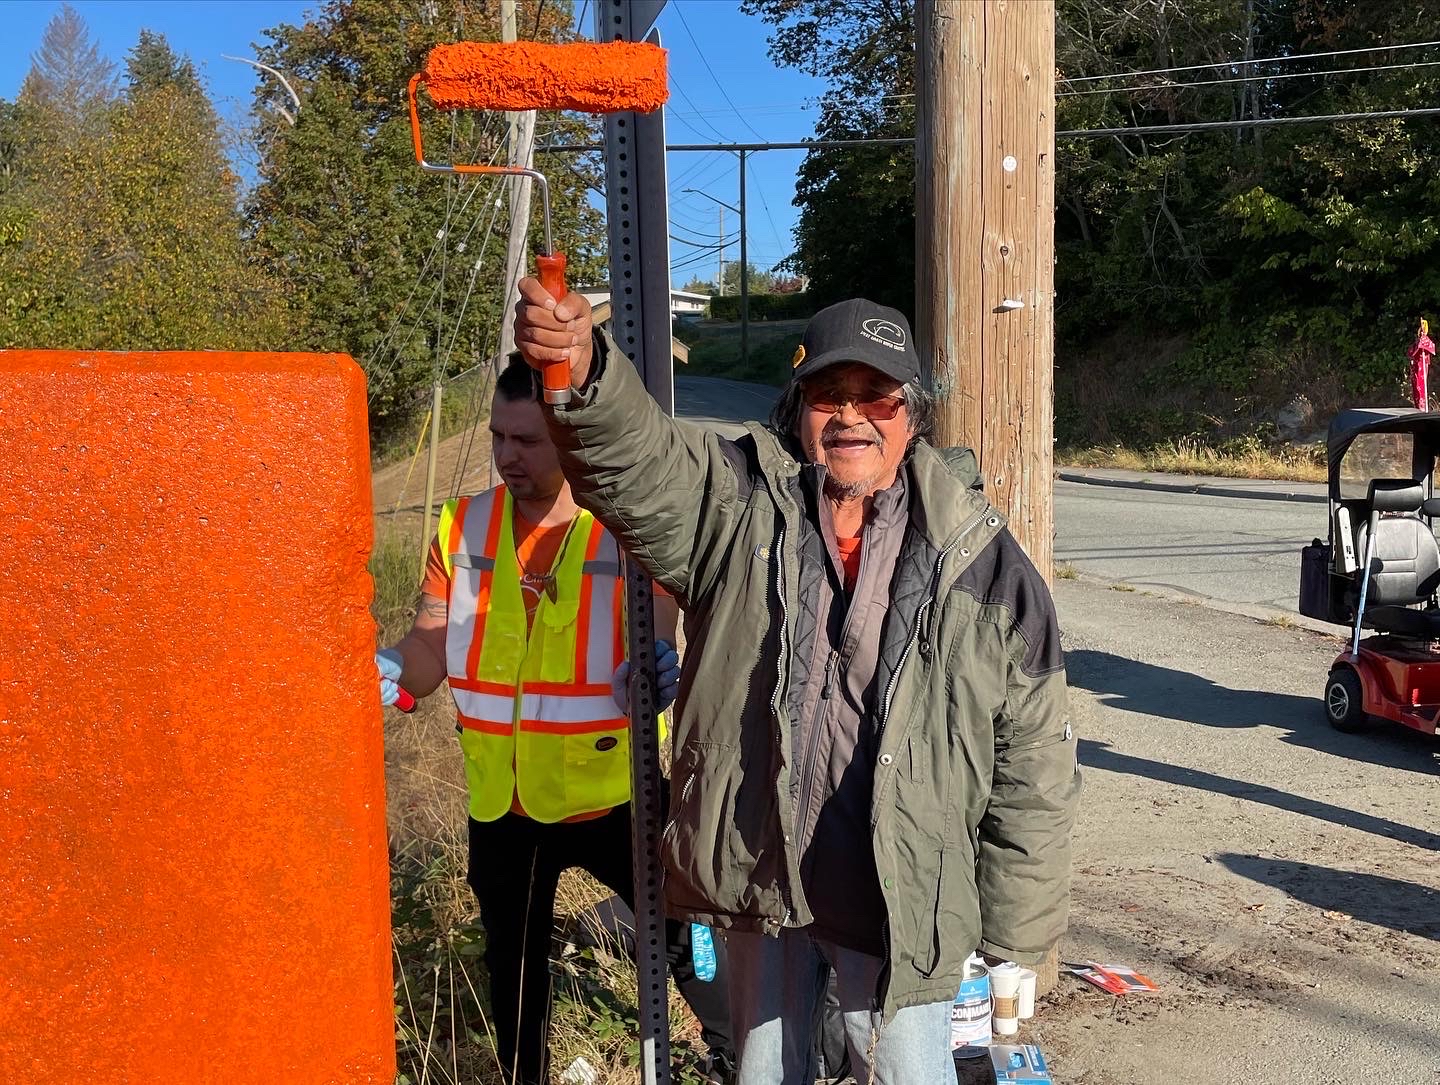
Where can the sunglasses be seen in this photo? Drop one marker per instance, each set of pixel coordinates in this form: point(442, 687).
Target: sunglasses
point(875, 407)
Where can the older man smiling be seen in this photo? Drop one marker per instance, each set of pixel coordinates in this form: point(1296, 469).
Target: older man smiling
point(874, 770)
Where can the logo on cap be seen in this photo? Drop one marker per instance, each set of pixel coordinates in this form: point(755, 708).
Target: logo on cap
point(885, 332)
point(799, 357)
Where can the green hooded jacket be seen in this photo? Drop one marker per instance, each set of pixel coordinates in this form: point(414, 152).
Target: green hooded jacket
point(975, 774)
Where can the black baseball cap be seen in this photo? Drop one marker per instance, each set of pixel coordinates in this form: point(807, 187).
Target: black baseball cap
point(858, 331)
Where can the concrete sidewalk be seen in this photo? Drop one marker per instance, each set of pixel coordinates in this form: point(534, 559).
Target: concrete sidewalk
point(1266, 489)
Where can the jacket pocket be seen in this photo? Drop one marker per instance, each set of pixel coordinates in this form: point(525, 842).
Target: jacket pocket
point(699, 845)
point(954, 923)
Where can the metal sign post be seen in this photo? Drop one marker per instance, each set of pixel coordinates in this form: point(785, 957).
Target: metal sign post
point(637, 219)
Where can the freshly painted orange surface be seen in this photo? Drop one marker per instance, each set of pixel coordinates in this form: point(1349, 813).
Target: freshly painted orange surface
point(592, 77)
point(192, 836)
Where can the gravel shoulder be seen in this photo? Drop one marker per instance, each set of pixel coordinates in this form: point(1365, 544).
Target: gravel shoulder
point(1281, 881)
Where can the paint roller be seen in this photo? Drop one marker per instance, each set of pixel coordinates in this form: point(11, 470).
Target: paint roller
point(590, 77)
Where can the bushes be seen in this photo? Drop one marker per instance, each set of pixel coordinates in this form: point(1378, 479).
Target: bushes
point(764, 307)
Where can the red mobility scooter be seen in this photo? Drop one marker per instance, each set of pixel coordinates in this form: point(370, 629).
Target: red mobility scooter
point(1379, 569)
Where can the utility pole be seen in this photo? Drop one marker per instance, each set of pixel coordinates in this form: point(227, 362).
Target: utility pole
point(521, 152)
point(720, 267)
point(984, 246)
point(744, 276)
point(435, 394)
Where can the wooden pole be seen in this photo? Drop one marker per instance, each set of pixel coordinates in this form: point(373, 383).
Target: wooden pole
point(984, 252)
point(744, 276)
point(521, 152)
point(435, 395)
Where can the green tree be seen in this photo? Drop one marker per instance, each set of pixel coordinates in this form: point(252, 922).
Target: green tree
point(152, 64)
point(400, 268)
point(759, 282)
point(156, 258)
point(699, 286)
point(857, 204)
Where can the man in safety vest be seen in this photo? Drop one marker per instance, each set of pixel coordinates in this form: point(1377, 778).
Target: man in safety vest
point(521, 611)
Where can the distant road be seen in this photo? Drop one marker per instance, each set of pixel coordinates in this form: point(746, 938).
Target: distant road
point(1239, 549)
point(723, 405)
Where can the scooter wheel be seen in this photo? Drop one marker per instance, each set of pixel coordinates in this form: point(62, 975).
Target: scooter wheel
point(1345, 701)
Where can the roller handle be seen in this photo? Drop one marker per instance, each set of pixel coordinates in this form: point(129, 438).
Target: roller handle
point(405, 701)
point(555, 376)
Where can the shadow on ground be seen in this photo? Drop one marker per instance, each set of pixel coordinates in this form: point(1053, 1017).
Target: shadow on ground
point(1102, 755)
point(1150, 690)
point(1371, 898)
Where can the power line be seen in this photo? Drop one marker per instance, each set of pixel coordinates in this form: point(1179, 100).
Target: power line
point(1070, 133)
point(1263, 122)
point(680, 11)
point(1268, 77)
point(803, 145)
point(714, 242)
point(1243, 63)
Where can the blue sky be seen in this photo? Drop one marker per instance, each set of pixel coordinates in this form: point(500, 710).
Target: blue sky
point(723, 88)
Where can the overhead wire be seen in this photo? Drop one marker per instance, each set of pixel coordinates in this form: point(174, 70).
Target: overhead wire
point(1260, 122)
point(1285, 59)
point(1266, 78)
point(680, 12)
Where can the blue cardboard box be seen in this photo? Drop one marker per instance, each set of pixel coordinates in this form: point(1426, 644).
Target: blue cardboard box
point(1019, 1064)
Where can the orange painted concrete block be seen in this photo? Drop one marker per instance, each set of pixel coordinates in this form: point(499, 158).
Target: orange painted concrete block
point(193, 865)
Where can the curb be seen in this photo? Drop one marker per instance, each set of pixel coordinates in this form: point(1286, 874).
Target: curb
point(1201, 488)
point(1256, 612)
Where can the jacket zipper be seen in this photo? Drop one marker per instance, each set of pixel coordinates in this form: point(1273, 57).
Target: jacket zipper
point(684, 794)
point(922, 617)
point(779, 690)
point(808, 766)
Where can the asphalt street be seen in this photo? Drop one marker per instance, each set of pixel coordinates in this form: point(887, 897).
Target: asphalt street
point(1240, 550)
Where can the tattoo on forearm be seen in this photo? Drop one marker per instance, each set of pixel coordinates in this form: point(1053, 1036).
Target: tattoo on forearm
point(432, 607)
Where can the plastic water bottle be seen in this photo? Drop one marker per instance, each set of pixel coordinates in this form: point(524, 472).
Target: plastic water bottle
point(702, 951)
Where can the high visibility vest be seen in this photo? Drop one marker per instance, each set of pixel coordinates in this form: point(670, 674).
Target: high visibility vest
point(536, 714)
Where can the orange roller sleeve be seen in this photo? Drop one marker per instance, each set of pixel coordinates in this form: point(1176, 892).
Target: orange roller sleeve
point(591, 77)
point(192, 831)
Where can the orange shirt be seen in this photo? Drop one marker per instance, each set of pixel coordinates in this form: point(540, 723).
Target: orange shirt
point(536, 548)
point(849, 559)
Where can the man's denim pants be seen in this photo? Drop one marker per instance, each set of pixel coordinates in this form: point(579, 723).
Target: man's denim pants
point(777, 988)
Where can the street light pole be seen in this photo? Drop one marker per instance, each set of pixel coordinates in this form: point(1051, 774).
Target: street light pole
point(744, 266)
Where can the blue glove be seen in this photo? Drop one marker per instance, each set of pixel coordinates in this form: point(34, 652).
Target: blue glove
point(389, 663)
point(667, 674)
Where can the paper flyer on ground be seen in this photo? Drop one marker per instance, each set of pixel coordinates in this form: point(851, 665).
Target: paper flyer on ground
point(1118, 979)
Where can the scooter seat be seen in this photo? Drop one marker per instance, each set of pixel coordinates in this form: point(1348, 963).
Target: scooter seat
point(1404, 622)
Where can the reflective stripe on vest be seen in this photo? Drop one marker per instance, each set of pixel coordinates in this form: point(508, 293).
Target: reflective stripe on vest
point(536, 713)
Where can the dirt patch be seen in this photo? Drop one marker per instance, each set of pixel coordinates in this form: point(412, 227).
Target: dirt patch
point(1279, 880)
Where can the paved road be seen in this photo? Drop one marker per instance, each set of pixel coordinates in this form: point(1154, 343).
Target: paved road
point(722, 404)
point(1241, 550)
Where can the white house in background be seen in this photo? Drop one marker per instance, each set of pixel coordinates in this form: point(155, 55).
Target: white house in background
point(683, 304)
point(687, 306)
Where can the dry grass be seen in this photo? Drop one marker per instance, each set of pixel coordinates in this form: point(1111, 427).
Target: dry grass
point(443, 1031)
point(1239, 459)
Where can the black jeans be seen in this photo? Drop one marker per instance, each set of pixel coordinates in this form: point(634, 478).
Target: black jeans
point(515, 866)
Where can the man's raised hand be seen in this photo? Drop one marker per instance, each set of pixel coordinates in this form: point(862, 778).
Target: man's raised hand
point(548, 331)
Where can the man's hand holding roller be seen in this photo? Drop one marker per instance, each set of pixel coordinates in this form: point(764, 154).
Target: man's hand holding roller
point(548, 331)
